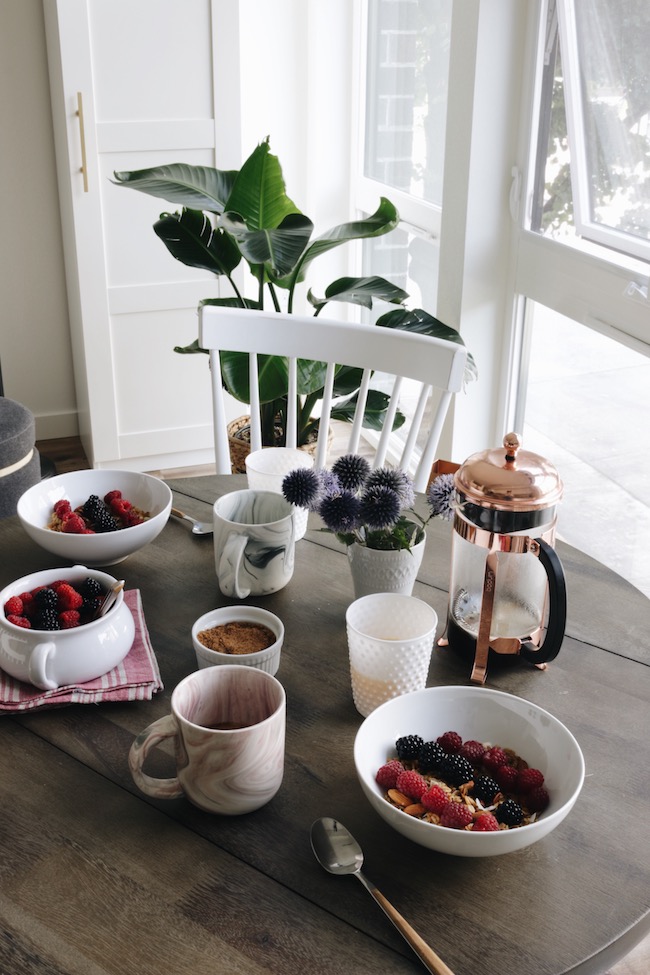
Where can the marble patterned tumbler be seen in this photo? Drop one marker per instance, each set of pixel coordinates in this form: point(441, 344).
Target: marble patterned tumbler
point(229, 728)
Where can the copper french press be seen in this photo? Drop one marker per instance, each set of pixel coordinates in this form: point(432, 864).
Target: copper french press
point(507, 595)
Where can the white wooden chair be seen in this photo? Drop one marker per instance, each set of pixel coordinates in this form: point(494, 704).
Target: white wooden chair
point(405, 355)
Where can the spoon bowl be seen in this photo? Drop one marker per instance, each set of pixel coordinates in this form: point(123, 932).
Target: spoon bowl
point(338, 852)
point(198, 527)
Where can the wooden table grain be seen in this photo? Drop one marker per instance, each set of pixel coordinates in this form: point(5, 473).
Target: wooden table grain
point(98, 879)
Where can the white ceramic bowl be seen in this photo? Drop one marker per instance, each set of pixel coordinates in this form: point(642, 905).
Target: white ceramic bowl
point(487, 716)
point(50, 659)
point(267, 660)
point(142, 490)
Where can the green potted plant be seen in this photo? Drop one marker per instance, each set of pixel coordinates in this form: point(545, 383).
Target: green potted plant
point(244, 217)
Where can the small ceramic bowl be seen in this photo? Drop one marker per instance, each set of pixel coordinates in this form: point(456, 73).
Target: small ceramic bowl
point(142, 490)
point(52, 658)
point(267, 660)
point(483, 715)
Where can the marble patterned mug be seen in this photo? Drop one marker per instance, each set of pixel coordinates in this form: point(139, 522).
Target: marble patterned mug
point(254, 542)
point(228, 724)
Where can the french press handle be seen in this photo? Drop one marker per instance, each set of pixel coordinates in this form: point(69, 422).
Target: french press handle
point(552, 642)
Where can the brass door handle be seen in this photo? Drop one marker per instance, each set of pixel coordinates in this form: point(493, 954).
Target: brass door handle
point(82, 136)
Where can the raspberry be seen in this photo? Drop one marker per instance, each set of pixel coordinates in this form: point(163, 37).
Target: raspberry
point(75, 525)
point(485, 823)
point(19, 621)
point(450, 741)
point(435, 799)
point(28, 603)
point(411, 784)
point(112, 496)
point(456, 815)
point(529, 779)
point(69, 619)
point(538, 799)
point(485, 789)
point(494, 758)
point(14, 606)
point(430, 756)
point(456, 770)
point(69, 598)
point(472, 751)
point(510, 813)
point(133, 518)
point(62, 508)
point(506, 776)
point(408, 747)
point(387, 774)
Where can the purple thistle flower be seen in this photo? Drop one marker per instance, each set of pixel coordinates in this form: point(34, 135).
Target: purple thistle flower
point(380, 507)
point(340, 512)
point(352, 471)
point(301, 486)
point(441, 496)
point(396, 479)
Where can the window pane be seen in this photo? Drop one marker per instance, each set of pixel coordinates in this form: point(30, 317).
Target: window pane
point(408, 61)
point(587, 409)
point(613, 41)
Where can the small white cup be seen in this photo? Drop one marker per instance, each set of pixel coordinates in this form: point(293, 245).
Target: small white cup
point(267, 659)
point(267, 468)
point(390, 639)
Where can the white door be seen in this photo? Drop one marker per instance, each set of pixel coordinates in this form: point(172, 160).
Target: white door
point(143, 76)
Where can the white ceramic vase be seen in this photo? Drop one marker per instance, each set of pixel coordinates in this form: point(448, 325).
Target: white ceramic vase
point(374, 570)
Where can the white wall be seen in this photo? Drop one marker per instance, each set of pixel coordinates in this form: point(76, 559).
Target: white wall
point(35, 352)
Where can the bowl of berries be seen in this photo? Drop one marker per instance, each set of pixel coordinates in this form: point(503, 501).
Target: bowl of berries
point(467, 770)
point(95, 517)
point(57, 630)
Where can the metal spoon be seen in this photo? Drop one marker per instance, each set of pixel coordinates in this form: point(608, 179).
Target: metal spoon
point(337, 850)
point(198, 527)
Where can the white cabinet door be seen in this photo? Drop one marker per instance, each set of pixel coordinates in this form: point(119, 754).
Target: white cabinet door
point(143, 73)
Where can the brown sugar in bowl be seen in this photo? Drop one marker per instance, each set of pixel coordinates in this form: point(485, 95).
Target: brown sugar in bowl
point(234, 634)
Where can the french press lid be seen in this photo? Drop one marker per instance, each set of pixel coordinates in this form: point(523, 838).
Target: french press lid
point(508, 489)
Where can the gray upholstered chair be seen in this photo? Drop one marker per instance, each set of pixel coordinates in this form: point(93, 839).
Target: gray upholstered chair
point(20, 464)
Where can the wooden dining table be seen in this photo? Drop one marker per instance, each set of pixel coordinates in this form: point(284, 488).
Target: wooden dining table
point(98, 878)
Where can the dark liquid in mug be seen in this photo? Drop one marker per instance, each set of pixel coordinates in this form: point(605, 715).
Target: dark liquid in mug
point(227, 726)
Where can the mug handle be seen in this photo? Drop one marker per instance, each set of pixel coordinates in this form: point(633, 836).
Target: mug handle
point(550, 648)
point(230, 564)
point(151, 736)
point(38, 666)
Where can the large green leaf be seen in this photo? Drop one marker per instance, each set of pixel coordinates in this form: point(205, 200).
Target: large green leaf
point(259, 195)
point(374, 414)
point(190, 237)
point(277, 248)
point(382, 221)
point(272, 370)
point(359, 291)
point(196, 187)
point(418, 320)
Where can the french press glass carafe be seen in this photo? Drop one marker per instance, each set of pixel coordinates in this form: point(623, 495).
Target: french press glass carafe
point(507, 593)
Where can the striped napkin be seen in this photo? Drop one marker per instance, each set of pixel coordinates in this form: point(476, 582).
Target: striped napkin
point(137, 678)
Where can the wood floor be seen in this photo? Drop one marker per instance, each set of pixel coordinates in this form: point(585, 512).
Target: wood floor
point(67, 454)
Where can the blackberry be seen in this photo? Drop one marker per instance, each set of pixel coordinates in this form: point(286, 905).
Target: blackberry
point(509, 812)
point(456, 770)
point(89, 607)
point(408, 747)
point(90, 588)
point(91, 507)
point(430, 756)
point(47, 619)
point(104, 521)
point(485, 789)
point(46, 599)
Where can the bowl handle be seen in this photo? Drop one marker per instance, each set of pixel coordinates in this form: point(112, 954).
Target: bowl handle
point(38, 666)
